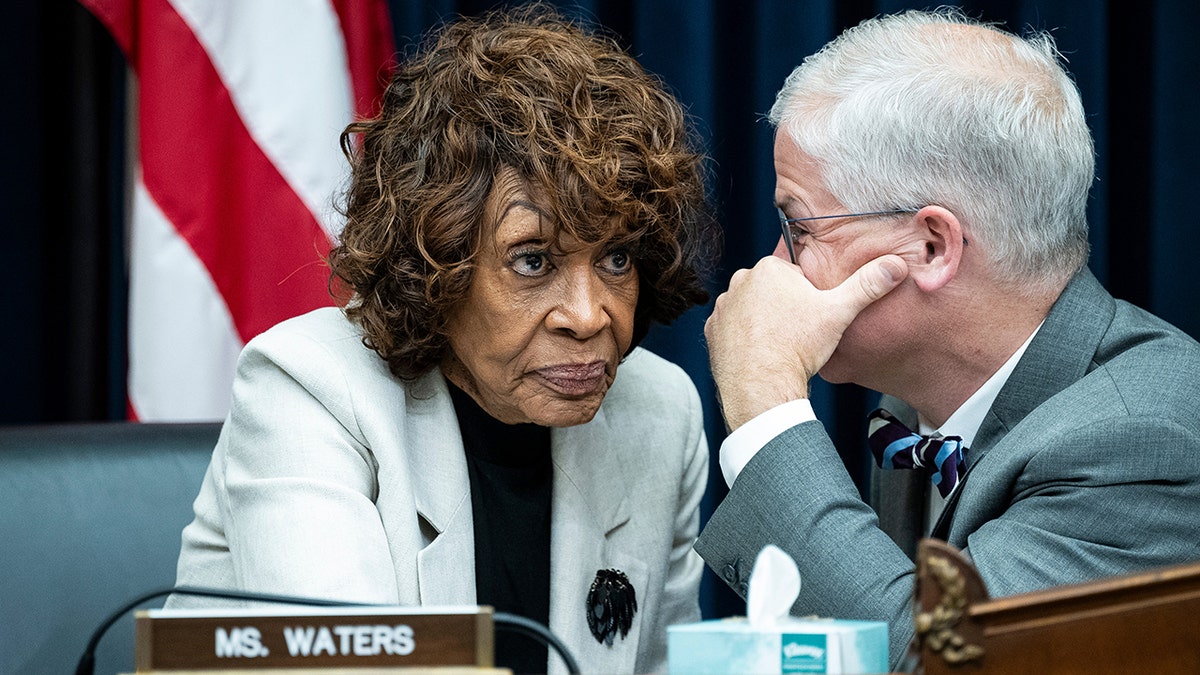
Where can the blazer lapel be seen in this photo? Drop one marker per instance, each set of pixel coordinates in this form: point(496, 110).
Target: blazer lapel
point(1060, 354)
point(900, 498)
point(442, 493)
point(588, 505)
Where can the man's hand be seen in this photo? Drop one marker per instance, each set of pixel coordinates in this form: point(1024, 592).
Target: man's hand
point(773, 330)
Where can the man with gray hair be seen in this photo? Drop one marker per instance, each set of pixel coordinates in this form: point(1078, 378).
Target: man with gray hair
point(932, 174)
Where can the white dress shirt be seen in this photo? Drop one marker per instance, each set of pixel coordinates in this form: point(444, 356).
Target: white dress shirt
point(965, 422)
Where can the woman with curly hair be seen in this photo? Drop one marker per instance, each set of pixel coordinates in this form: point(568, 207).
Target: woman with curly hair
point(476, 425)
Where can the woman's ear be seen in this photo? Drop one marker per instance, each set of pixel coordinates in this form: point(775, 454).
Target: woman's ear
point(940, 238)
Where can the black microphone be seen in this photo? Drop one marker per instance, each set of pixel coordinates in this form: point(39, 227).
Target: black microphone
point(503, 620)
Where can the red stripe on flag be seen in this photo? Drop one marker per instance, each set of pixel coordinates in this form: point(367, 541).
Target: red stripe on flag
point(119, 17)
point(258, 240)
point(370, 50)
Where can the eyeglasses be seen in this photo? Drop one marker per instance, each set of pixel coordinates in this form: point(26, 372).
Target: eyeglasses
point(790, 239)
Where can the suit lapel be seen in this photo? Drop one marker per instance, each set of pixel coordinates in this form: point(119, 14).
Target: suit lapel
point(1060, 354)
point(900, 498)
point(589, 503)
point(442, 493)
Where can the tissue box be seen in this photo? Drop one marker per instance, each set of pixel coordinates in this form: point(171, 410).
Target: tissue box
point(732, 646)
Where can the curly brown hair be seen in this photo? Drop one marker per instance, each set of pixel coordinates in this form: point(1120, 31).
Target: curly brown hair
point(597, 138)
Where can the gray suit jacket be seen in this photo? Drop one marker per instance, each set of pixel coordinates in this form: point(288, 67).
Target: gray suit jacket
point(334, 479)
point(1087, 465)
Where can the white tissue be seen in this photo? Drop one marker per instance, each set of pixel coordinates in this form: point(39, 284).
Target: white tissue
point(771, 642)
point(773, 588)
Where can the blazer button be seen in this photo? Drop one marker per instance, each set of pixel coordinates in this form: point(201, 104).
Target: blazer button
point(731, 575)
point(743, 589)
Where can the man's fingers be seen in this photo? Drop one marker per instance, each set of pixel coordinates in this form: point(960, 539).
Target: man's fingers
point(873, 281)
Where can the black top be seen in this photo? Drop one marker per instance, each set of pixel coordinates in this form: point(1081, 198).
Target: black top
point(510, 473)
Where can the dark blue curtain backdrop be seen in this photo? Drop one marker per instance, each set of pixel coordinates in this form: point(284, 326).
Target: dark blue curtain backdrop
point(63, 179)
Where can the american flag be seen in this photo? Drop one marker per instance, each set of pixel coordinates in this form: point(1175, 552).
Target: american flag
point(239, 105)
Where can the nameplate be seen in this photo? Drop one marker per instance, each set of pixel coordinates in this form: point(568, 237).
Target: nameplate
point(313, 637)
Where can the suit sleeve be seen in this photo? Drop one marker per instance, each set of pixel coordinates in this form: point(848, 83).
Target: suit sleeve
point(297, 483)
point(796, 494)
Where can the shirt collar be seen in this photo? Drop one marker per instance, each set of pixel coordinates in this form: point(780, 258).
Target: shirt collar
point(965, 421)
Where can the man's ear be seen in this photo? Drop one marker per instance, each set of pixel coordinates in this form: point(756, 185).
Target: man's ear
point(940, 236)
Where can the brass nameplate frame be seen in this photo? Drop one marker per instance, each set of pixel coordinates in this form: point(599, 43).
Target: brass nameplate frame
point(313, 637)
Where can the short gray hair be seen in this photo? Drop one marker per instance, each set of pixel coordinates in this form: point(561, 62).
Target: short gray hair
point(923, 108)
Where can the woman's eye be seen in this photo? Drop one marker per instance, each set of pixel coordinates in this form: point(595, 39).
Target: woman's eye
point(531, 263)
point(618, 261)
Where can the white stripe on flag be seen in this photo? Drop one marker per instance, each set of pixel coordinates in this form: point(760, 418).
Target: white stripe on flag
point(183, 347)
point(284, 64)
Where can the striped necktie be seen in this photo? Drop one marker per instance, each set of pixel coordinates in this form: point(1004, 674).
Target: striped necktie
point(895, 446)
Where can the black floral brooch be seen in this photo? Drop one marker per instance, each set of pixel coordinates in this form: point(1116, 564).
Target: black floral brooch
point(611, 604)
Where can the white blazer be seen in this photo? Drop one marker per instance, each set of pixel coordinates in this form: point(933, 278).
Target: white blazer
point(333, 478)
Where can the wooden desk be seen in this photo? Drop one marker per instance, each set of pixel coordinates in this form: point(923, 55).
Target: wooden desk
point(1139, 623)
